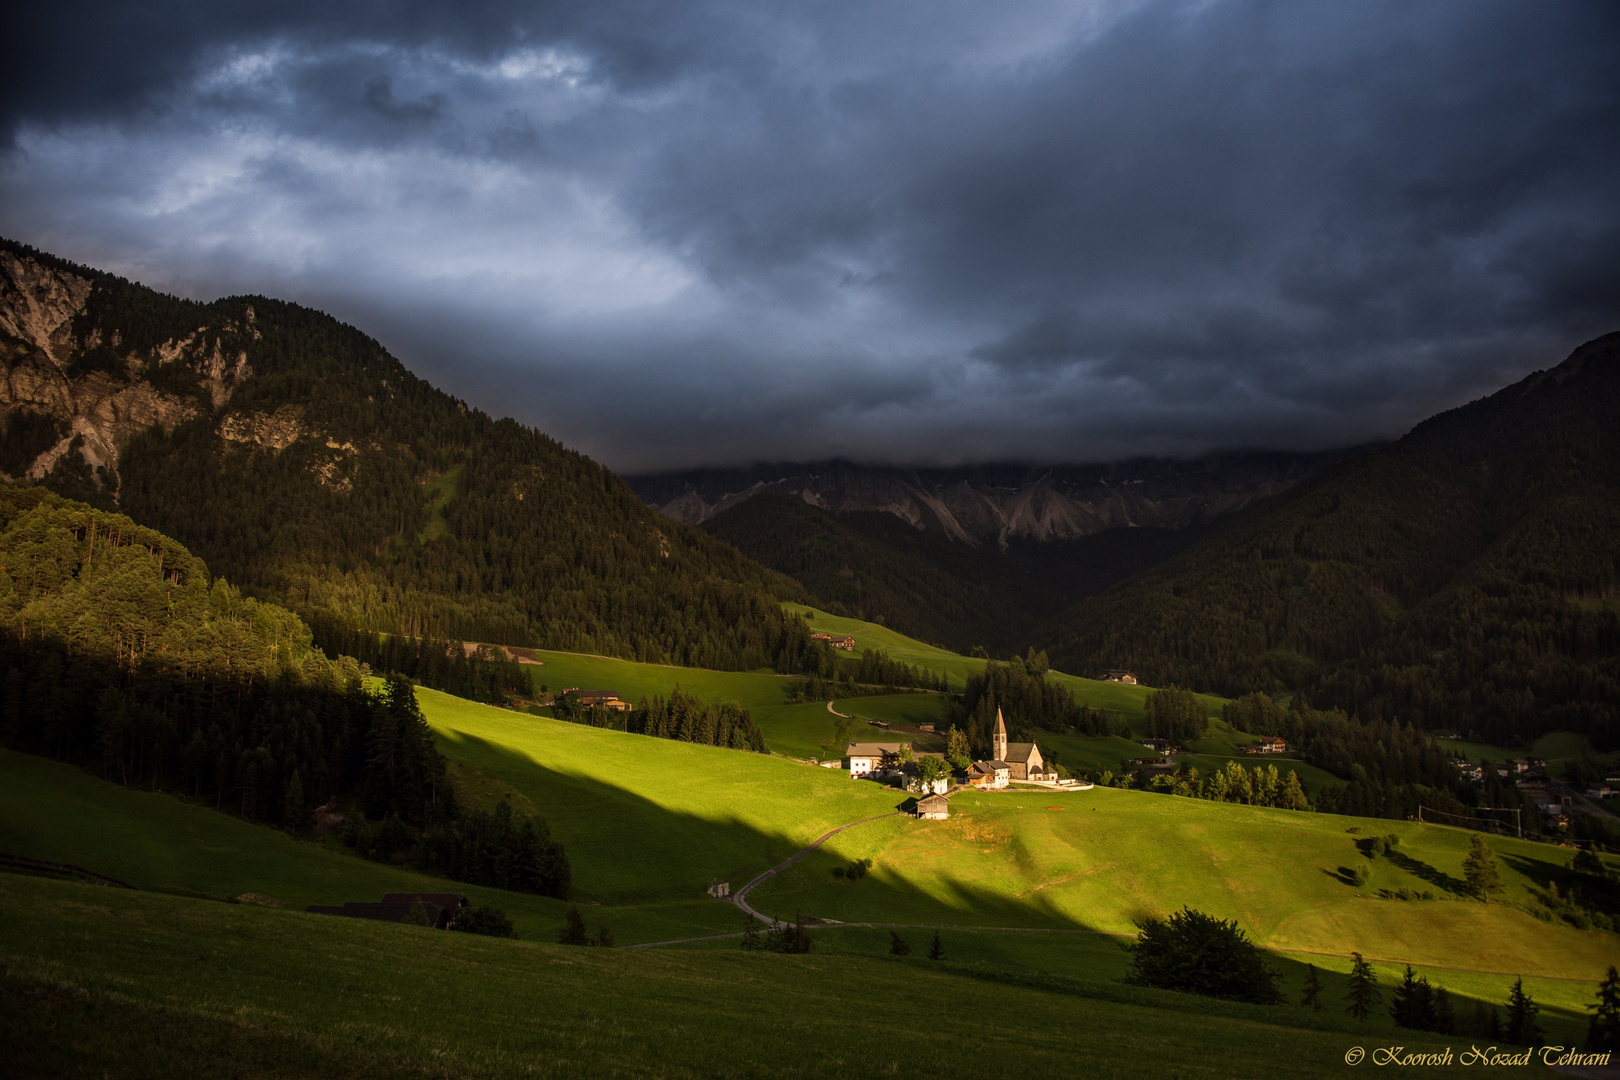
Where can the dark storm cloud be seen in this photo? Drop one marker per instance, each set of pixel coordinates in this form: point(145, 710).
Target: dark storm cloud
point(708, 232)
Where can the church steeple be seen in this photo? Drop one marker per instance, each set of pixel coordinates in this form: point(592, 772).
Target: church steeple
point(998, 741)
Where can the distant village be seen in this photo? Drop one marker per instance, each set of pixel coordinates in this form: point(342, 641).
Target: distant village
point(928, 774)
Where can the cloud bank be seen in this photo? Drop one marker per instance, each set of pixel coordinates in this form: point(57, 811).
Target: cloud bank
point(926, 233)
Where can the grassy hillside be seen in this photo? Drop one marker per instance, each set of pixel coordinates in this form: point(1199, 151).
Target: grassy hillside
point(799, 730)
point(158, 842)
point(1097, 860)
point(649, 819)
point(649, 823)
point(809, 730)
point(99, 981)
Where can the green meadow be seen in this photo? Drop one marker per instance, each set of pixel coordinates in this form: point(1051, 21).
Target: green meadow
point(650, 819)
point(161, 843)
point(808, 731)
point(1121, 698)
point(1033, 893)
point(217, 989)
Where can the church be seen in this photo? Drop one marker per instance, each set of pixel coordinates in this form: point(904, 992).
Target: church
point(1009, 761)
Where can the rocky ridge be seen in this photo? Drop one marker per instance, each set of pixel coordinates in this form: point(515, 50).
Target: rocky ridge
point(97, 395)
point(998, 503)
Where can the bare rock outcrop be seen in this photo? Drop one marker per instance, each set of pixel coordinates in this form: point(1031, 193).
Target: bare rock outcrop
point(100, 410)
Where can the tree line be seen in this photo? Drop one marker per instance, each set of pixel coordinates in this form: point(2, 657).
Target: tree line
point(120, 653)
point(681, 717)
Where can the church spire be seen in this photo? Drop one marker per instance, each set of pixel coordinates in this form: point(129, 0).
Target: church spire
point(998, 741)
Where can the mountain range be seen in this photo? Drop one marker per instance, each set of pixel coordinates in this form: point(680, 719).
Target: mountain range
point(307, 465)
point(1462, 577)
point(1000, 503)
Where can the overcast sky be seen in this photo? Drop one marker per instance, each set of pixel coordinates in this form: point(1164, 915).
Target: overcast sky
point(711, 232)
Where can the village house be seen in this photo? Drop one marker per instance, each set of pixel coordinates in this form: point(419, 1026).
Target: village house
point(934, 808)
point(1268, 744)
point(601, 699)
point(873, 759)
point(836, 641)
point(914, 782)
point(1120, 677)
point(991, 775)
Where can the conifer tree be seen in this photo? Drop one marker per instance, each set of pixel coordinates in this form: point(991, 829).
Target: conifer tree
point(1364, 995)
point(936, 951)
point(1479, 869)
point(1312, 994)
point(897, 945)
point(1521, 1016)
point(1413, 1003)
point(1445, 1016)
point(1603, 1030)
point(1292, 796)
point(751, 940)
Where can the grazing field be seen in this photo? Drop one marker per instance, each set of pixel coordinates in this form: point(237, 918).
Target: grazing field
point(158, 842)
point(808, 731)
point(1121, 698)
point(101, 981)
point(1101, 859)
point(648, 819)
point(632, 680)
point(794, 729)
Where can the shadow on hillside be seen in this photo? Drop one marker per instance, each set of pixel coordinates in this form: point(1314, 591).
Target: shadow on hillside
point(1543, 874)
point(1431, 874)
point(626, 848)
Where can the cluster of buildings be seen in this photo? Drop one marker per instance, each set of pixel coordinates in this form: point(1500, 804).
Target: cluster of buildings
point(601, 699)
point(844, 642)
point(897, 762)
point(1268, 744)
point(1514, 768)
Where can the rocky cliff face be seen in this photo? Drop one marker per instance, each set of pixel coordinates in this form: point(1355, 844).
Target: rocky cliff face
point(998, 503)
point(59, 378)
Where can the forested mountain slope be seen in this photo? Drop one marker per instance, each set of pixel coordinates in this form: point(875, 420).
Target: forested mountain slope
point(1463, 577)
point(302, 461)
point(875, 566)
point(119, 650)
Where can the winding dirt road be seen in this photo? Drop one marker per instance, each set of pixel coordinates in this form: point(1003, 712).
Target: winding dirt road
point(740, 897)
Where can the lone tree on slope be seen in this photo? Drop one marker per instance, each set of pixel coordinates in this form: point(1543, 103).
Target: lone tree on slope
point(1312, 994)
point(1479, 869)
point(1364, 995)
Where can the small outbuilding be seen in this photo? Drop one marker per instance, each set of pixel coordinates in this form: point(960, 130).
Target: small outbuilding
point(934, 808)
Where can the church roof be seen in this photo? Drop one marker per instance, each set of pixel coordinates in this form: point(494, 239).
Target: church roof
point(1001, 725)
point(1020, 751)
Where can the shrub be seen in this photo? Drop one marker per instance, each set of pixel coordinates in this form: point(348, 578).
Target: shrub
point(1200, 954)
point(489, 921)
